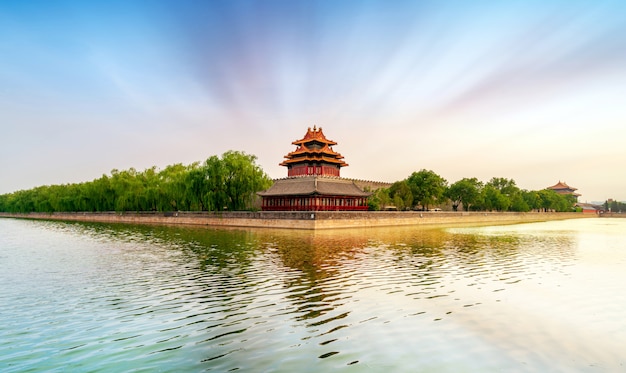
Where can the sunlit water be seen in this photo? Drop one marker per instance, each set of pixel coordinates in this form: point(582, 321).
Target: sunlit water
point(95, 297)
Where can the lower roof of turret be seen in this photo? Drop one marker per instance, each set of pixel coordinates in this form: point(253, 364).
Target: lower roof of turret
point(314, 185)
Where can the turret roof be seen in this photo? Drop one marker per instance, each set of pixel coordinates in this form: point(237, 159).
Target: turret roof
point(562, 185)
point(314, 135)
point(314, 147)
point(563, 188)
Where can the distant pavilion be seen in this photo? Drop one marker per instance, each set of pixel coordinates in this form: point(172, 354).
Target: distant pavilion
point(313, 180)
point(563, 188)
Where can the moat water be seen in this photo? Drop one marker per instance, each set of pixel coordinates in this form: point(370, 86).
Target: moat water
point(546, 297)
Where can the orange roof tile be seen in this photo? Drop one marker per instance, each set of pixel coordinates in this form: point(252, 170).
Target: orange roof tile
point(314, 135)
point(313, 159)
point(308, 151)
point(561, 185)
point(324, 150)
point(314, 185)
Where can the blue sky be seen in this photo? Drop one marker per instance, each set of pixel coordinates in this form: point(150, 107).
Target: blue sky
point(534, 91)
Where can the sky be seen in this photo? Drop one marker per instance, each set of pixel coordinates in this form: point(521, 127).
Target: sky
point(533, 91)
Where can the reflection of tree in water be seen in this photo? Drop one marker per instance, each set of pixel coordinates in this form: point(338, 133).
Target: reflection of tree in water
point(215, 249)
point(232, 260)
point(506, 255)
point(502, 244)
point(221, 249)
point(320, 270)
point(433, 257)
point(470, 244)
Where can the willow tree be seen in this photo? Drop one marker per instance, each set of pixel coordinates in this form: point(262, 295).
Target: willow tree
point(173, 190)
point(242, 179)
point(227, 183)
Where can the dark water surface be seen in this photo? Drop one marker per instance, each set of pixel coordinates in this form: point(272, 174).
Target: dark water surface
point(97, 297)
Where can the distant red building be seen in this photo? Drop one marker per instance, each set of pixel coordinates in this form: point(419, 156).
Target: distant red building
point(313, 180)
point(588, 208)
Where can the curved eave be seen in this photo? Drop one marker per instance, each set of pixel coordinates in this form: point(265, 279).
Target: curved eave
point(314, 135)
point(323, 151)
point(303, 142)
point(332, 161)
point(562, 186)
point(305, 156)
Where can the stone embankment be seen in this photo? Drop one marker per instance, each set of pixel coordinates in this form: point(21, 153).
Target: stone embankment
point(307, 220)
point(613, 215)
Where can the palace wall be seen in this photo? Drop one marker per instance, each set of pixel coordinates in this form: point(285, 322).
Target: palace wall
point(307, 220)
point(371, 185)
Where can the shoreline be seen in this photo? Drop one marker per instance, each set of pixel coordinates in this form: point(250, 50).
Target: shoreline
point(307, 220)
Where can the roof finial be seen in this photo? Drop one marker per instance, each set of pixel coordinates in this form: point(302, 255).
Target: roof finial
point(314, 128)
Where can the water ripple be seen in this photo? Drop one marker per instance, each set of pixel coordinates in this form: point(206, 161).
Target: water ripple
point(113, 298)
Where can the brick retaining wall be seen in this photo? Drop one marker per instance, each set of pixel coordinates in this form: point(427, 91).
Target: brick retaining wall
point(307, 220)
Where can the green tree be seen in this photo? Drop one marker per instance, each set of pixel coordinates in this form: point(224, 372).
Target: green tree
point(532, 199)
point(465, 191)
point(614, 206)
point(103, 194)
point(566, 203)
point(504, 185)
point(400, 194)
point(149, 199)
point(128, 190)
point(243, 178)
point(173, 190)
point(4, 202)
point(518, 202)
point(379, 200)
point(426, 187)
point(493, 199)
point(227, 183)
point(214, 178)
point(551, 200)
point(510, 195)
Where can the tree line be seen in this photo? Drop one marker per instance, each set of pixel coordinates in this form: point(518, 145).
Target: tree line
point(424, 189)
point(614, 206)
point(229, 182)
